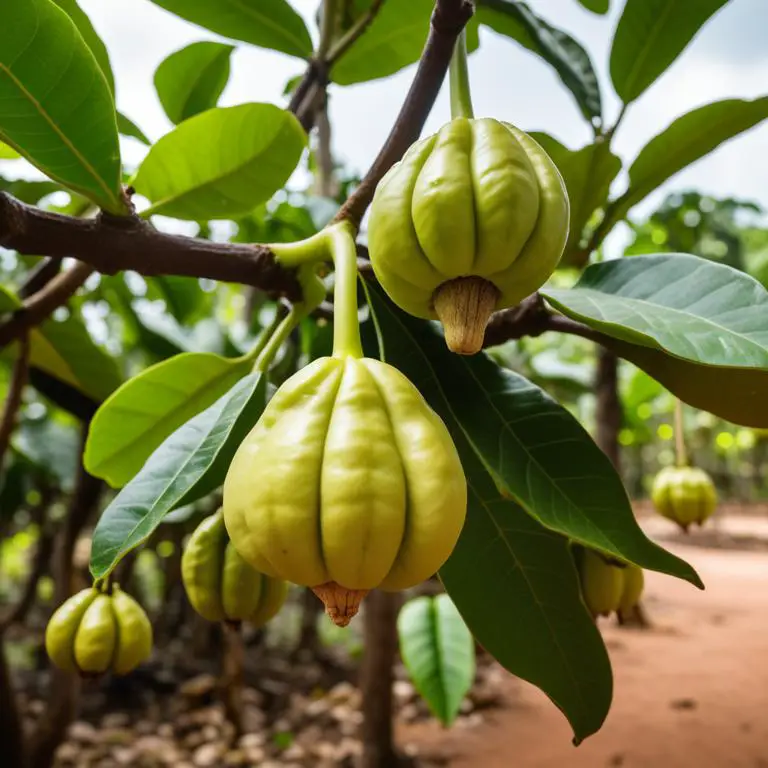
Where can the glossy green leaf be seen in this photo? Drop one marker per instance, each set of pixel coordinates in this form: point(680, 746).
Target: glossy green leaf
point(139, 416)
point(191, 463)
point(266, 23)
point(515, 585)
point(587, 173)
point(127, 127)
point(183, 296)
point(686, 140)
point(438, 652)
point(91, 37)
point(597, 6)
point(536, 451)
point(650, 35)
point(56, 108)
point(8, 153)
point(696, 326)
point(394, 39)
point(568, 57)
point(191, 80)
point(250, 151)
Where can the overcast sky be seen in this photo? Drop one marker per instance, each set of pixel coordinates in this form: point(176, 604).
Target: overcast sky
point(729, 58)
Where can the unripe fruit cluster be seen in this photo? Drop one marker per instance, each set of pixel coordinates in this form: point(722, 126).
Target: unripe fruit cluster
point(609, 588)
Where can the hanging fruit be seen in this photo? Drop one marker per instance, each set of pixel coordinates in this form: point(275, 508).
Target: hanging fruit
point(633, 582)
point(220, 585)
point(685, 495)
point(602, 584)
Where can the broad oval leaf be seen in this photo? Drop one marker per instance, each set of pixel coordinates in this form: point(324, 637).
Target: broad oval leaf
point(686, 140)
point(267, 23)
point(225, 162)
point(587, 173)
point(191, 80)
point(439, 653)
point(568, 57)
point(708, 320)
point(536, 452)
point(515, 585)
point(191, 463)
point(56, 107)
point(651, 34)
point(139, 416)
point(127, 127)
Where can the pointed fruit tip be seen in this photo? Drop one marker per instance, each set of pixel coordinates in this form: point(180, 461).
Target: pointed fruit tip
point(341, 604)
point(464, 307)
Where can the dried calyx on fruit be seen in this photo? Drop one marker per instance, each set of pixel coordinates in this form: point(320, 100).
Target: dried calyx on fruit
point(607, 586)
point(472, 220)
point(220, 585)
point(685, 495)
point(349, 480)
point(94, 632)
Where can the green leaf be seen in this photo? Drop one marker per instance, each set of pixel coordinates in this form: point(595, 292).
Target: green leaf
point(183, 296)
point(515, 584)
point(139, 416)
point(597, 6)
point(91, 37)
point(8, 153)
point(568, 57)
point(52, 447)
point(686, 140)
point(250, 152)
point(266, 23)
point(191, 80)
point(439, 653)
point(128, 128)
point(700, 312)
point(56, 108)
point(650, 35)
point(191, 463)
point(587, 173)
point(394, 39)
point(536, 451)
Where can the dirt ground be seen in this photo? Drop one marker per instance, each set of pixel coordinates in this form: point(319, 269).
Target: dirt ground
point(691, 691)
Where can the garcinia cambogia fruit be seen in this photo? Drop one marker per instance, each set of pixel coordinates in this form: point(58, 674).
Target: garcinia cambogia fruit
point(685, 495)
point(220, 585)
point(348, 481)
point(633, 582)
point(94, 632)
point(602, 584)
point(472, 220)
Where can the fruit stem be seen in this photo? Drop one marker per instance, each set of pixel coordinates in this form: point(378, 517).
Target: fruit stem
point(681, 453)
point(461, 96)
point(346, 327)
point(265, 335)
point(309, 251)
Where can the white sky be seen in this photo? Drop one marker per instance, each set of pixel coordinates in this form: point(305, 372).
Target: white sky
point(729, 58)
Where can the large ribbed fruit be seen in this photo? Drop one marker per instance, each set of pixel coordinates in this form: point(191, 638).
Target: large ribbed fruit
point(349, 481)
point(472, 220)
point(602, 584)
point(220, 585)
point(685, 495)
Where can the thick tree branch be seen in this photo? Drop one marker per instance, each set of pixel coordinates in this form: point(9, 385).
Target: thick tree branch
point(13, 398)
point(448, 19)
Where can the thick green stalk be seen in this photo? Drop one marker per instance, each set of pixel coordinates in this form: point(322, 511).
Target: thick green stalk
point(461, 96)
point(346, 328)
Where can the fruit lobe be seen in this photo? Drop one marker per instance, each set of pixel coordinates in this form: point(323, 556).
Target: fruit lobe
point(685, 495)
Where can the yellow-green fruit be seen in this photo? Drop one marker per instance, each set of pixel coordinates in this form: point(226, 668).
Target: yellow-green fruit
point(602, 584)
point(633, 582)
point(685, 495)
point(220, 585)
point(94, 632)
point(349, 481)
point(472, 220)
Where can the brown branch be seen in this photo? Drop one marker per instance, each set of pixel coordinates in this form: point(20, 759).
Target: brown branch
point(344, 43)
point(448, 19)
point(39, 307)
point(13, 398)
point(63, 395)
point(39, 276)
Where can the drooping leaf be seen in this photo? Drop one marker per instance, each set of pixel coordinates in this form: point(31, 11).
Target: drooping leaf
point(394, 39)
point(651, 34)
point(91, 37)
point(191, 80)
point(56, 107)
point(515, 585)
point(266, 23)
point(439, 653)
point(250, 152)
point(587, 173)
point(686, 140)
point(191, 463)
point(127, 127)
point(536, 451)
point(697, 326)
point(568, 57)
point(139, 416)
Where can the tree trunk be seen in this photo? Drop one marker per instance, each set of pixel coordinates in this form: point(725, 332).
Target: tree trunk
point(309, 640)
point(376, 678)
point(233, 660)
point(11, 726)
point(609, 412)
